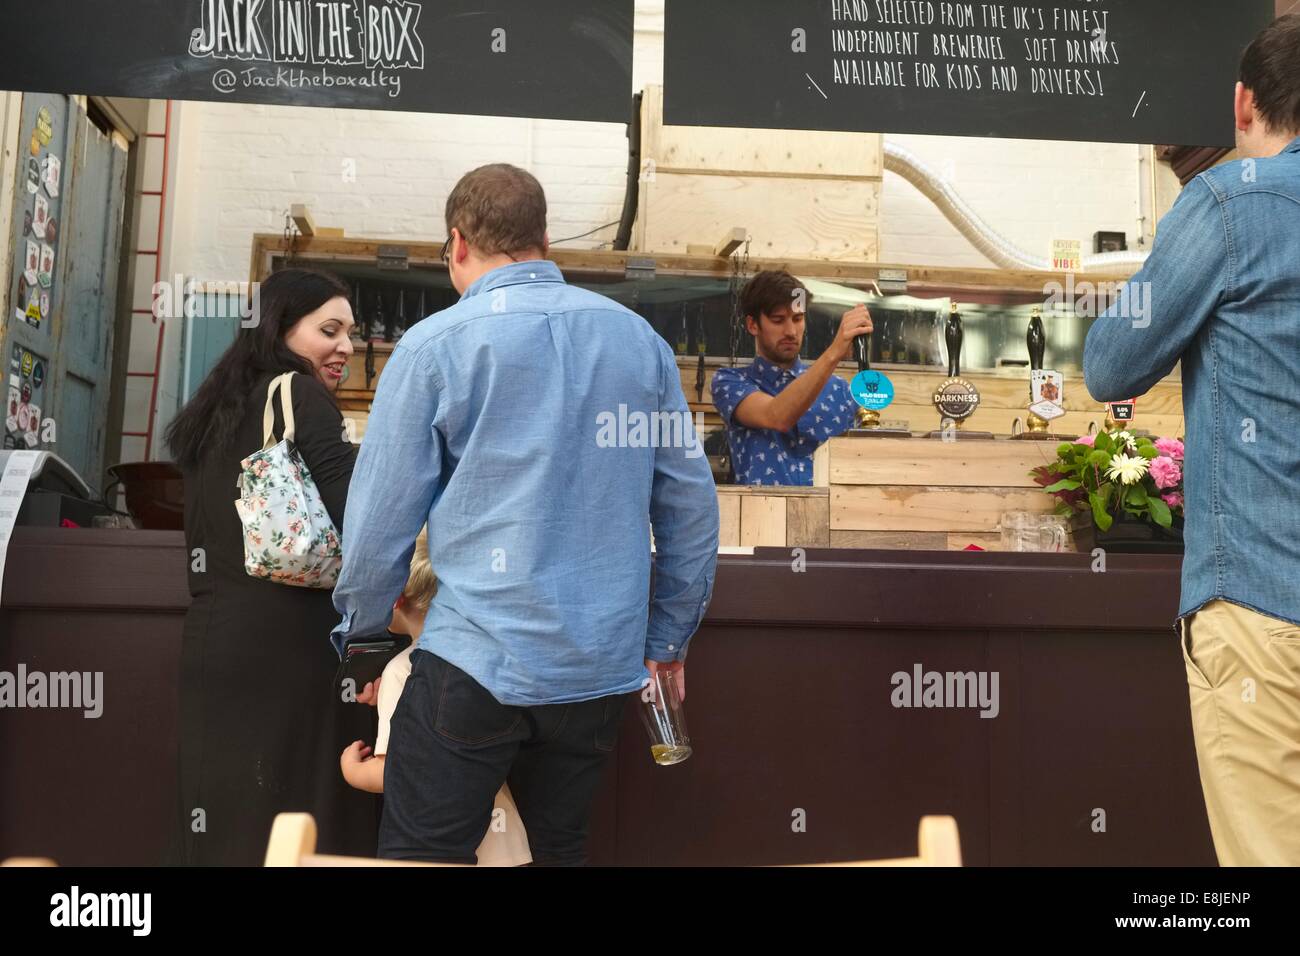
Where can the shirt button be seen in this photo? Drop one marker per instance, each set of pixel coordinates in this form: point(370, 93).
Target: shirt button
point(532, 275)
point(672, 647)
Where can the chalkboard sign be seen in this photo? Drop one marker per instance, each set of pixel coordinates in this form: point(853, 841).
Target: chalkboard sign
point(555, 59)
point(1125, 71)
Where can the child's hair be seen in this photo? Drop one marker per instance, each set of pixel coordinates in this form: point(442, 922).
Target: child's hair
point(422, 584)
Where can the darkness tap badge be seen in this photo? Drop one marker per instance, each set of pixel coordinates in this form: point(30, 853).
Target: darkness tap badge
point(956, 398)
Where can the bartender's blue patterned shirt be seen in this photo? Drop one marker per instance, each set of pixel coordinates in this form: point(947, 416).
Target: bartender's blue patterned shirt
point(761, 456)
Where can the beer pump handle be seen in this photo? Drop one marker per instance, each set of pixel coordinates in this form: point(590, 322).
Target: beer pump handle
point(953, 336)
point(1036, 340)
point(701, 347)
point(862, 346)
point(359, 329)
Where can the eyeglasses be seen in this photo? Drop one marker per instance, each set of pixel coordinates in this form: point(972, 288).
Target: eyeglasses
point(446, 250)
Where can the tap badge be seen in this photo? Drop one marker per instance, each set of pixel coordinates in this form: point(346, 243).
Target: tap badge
point(872, 390)
point(956, 398)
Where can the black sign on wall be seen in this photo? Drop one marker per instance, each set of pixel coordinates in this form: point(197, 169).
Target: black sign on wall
point(555, 59)
point(1127, 71)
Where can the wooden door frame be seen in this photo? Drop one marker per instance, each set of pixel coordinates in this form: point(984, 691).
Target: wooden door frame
point(11, 112)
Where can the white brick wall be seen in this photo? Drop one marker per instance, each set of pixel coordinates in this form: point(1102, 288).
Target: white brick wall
point(1030, 191)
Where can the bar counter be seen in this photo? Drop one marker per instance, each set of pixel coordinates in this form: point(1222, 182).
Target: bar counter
point(802, 752)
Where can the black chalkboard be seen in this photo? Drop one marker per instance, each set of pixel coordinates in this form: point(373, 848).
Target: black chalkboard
point(1126, 71)
point(555, 59)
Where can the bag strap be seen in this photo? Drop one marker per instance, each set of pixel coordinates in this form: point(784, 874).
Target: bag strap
point(286, 408)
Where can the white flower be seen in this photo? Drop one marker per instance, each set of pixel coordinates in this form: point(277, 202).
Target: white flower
point(1127, 470)
point(1126, 438)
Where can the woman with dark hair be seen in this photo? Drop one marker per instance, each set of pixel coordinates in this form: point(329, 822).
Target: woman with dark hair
point(261, 722)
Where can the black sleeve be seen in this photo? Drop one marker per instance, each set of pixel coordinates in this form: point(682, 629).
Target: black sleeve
point(324, 444)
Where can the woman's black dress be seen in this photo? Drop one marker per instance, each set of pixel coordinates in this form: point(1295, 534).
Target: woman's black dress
point(262, 725)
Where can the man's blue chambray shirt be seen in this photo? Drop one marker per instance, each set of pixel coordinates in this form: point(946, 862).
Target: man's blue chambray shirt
point(485, 425)
point(761, 456)
point(1224, 296)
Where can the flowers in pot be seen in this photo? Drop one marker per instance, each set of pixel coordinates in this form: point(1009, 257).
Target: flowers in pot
point(1115, 473)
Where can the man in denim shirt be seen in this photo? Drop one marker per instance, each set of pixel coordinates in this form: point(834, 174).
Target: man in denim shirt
point(1222, 293)
point(491, 424)
point(777, 410)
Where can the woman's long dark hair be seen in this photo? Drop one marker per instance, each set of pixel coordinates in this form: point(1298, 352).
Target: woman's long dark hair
point(213, 416)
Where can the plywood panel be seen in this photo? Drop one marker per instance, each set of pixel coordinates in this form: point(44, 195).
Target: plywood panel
point(1077, 541)
point(762, 521)
point(890, 540)
point(822, 466)
point(355, 423)
point(807, 522)
point(756, 150)
point(813, 218)
point(882, 461)
point(728, 520)
point(958, 540)
point(773, 491)
point(947, 509)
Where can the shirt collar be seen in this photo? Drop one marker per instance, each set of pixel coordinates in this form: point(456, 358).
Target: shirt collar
point(530, 270)
point(773, 373)
point(1294, 147)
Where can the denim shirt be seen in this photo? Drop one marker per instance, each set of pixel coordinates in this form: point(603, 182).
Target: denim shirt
point(492, 423)
point(761, 456)
point(1224, 296)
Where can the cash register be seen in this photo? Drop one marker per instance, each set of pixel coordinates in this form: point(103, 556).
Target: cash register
point(55, 494)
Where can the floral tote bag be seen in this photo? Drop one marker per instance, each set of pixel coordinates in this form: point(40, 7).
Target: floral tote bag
point(289, 537)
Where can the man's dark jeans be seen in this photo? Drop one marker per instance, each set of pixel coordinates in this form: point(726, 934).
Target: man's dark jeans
point(452, 745)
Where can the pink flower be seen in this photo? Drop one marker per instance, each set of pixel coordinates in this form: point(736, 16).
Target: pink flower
point(1170, 447)
point(1173, 501)
point(1085, 440)
point(1165, 472)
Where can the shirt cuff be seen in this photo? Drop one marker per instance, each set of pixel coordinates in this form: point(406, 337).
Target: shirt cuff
point(338, 636)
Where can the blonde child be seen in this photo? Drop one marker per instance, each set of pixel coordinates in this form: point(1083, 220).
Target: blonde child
point(506, 842)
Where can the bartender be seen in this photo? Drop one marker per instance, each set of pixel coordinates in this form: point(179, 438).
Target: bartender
point(777, 410)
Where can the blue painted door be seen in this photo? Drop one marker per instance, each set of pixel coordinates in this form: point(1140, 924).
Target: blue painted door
point(62, 292)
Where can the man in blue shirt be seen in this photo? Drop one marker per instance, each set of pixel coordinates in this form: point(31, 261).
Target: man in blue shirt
point(1221, 293)
point(491, 424)
point(777, 410)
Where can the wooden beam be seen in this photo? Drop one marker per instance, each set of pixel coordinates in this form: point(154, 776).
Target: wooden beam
point(729, 243)
point(302, 217)
point(920, 278)
point(723, 248)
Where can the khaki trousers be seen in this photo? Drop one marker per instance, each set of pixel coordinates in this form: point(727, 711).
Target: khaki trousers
point(1243, 674)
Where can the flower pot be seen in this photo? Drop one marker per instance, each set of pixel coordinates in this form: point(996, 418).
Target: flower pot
point(1129, 535)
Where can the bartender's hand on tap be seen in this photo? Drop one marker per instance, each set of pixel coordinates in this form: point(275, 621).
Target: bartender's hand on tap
point(676, 668)
point(855, 322)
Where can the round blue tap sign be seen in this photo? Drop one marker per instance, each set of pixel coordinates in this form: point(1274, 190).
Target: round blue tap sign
point(872, 390)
